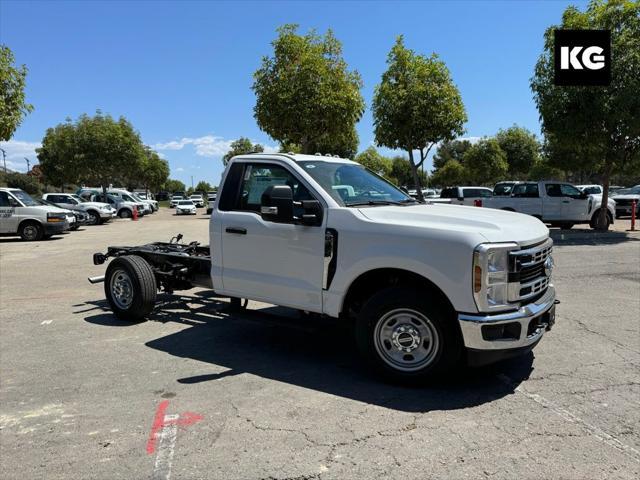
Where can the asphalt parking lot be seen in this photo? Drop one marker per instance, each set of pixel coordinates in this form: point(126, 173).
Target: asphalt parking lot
point(266, 394)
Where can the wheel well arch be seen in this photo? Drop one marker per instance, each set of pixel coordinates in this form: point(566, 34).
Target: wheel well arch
point(375, 280)
point(29, 220)
point(508, 209)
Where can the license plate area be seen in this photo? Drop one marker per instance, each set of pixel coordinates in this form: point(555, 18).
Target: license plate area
point(546, 321)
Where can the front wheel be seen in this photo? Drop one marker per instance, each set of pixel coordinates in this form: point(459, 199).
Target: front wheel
point(93, 218)
point(130, 287)
point(407, 337)
point(124, 213)
point(31, 231)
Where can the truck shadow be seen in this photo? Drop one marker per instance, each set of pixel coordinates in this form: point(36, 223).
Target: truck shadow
point(310, 352)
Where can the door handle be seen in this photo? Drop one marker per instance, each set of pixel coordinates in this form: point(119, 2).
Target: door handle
point(239, 231)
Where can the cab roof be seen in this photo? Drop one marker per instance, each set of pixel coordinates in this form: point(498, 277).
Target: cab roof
point(297, 157)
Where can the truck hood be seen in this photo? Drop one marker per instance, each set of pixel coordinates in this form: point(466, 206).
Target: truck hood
point(494, 225)
point(626, 196)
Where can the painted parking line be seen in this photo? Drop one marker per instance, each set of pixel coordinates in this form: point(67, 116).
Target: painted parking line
point(162, 438)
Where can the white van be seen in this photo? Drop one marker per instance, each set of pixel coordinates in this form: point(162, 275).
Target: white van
point(21, 215)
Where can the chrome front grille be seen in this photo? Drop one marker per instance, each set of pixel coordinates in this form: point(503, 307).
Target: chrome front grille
point(527, 272)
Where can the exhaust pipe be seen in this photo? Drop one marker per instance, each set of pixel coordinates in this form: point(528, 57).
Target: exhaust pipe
point(98, 279)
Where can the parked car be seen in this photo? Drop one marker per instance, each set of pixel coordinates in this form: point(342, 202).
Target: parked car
point(147, 206)
point(75, 218)
point(624, 200)
point(175, 199)
point(197, 200)
point(466, 195)
point(590, 189)
point(556, 203)
point(185, 207)
point(96, 212)
point(21, 215)
point(124, 209)
point(211, 196)
point(427, 287)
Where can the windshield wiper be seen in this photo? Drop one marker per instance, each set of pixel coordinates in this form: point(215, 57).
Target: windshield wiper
point(373, 202)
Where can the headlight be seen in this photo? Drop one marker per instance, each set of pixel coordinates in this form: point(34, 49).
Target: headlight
point(491, 276)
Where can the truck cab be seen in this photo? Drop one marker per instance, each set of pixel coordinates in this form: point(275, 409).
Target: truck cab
point(21, 215)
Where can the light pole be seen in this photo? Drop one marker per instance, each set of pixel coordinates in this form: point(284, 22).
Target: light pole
point(4, 159)
point(28, 169)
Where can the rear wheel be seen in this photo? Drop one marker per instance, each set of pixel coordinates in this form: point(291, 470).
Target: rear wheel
point(566, 226)
point(594, 220)
point(407, 337)
point(130, 287)
point(31, 231)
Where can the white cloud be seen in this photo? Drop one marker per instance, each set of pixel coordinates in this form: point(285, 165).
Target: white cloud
point(179, 169)
point(206, 146)
point(16, 150)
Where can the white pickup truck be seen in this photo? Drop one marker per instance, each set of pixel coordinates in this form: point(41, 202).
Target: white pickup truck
point(556, 203)
point(427, 286)
point(21, 215)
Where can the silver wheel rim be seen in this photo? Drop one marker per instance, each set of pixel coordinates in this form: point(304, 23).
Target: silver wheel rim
point(406, 340)
point(30, 232)
point(121, 289)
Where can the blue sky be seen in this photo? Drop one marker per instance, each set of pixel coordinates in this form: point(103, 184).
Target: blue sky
point(181, 72)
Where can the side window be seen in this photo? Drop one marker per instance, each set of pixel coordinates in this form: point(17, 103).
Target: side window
point(258, 177)
point(4, 199)
point(449, 193)
point(570, 191)
point(553, 190)
point(485, 193)
point(230, 188)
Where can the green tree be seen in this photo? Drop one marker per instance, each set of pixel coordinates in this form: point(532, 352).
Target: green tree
point(416, 105)
point(543, 170)
point(486, 162)
point(172, 185)
point(306, 96)
point(24, 182)
point(522, 149)
point(152, 171)
point(13, 105)
point(600, 125)
point(401, 173)
point(203, 186)
point(94, 150)
point(241, 146)
point(375, 162)
point(58, 158)
point(450, 150)
point(451, 173)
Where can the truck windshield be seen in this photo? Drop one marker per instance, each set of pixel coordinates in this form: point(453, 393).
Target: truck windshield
point(24, 198)
point(353, 185)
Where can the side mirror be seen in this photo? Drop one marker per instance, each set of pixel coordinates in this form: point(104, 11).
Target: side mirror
point(584, 195)
point(13, 203)
point(276, 204)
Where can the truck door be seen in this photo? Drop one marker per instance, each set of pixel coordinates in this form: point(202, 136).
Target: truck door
point(575, 205)
point(278, 263)
point(8, 218)
point(553, 203)
point(529, 200)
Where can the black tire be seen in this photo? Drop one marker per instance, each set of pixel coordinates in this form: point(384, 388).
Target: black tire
point(443, 353)
point(566, 226)
point(31, 231)
point(93, 218)
point(130, 273)
point(125, 213)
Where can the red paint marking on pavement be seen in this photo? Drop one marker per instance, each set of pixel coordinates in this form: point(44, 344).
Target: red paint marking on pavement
point(184, 420)
point(158, 423)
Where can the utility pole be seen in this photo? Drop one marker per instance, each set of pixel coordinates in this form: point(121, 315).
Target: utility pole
point(28, 168)
point(4, 159)
point(191, 182)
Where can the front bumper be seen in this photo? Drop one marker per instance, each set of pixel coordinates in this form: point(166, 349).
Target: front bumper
point(522, 328)
point(53, 228)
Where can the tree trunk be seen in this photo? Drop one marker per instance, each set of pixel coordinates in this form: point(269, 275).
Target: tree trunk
point(601, 222)
point(416, 179)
